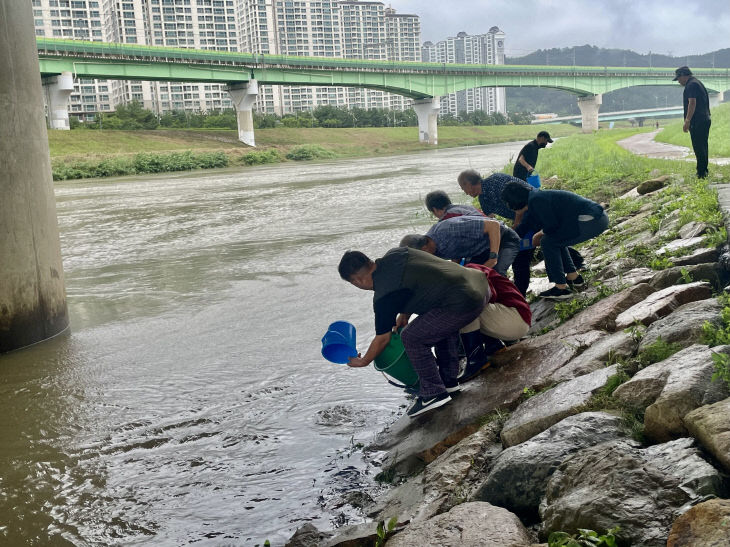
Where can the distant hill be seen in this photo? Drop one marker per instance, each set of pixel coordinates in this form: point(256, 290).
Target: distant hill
point(550, 100)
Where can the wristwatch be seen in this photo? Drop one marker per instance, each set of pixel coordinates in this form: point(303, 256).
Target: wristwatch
point(493, 255)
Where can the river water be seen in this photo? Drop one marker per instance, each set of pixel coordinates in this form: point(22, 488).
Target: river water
point(189, 402)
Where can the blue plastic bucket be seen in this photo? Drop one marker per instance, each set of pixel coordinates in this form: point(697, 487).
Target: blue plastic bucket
point(534, 180)
point(339, 342)
point(526, 242)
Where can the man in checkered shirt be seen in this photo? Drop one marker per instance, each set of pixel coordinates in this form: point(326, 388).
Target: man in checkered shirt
point(476, 239)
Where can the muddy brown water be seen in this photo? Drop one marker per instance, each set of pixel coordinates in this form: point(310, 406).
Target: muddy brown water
point(189, 402)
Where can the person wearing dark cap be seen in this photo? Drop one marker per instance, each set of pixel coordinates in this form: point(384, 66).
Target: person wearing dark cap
point(527, 157)
point(696, 115)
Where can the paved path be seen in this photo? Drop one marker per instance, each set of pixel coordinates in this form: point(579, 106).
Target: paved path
point(644, 144)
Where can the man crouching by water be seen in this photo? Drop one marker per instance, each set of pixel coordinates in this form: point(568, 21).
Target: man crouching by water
point(446, 298)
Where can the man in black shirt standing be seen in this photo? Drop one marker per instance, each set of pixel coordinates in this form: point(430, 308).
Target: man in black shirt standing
point(527, 157)
point(696, 115)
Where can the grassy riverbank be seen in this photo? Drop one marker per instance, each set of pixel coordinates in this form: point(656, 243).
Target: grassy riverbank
point(87, 153)
point(719, 143)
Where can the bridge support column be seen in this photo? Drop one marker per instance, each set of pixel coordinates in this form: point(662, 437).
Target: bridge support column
point(589, 112)
point(243, 96)
point(57, 90)
point(32, 294)
point(427, 111)
point(715, 99)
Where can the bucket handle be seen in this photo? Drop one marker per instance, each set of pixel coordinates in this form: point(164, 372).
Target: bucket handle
point(396, 384)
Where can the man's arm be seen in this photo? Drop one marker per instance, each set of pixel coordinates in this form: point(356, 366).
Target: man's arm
point(376, 348)
point(518, 217)
point(524, 163)
point(691, 106)
point(491, 228)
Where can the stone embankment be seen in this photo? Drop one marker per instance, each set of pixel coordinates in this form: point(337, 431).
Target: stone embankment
point(606, 416)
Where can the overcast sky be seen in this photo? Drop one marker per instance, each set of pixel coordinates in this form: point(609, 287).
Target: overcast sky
point(676, 27)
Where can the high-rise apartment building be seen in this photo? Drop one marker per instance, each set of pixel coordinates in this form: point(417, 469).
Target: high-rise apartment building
point(351, 29)
point(199, 24)
point(481, 49)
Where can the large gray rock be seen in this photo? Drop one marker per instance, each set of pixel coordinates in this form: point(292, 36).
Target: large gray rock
point(693, 229)
point(673, 388)
point(698, 256)
point(546, 409)
point(356, 535)
point(668, 226)
point(683, 325)
point(475, 524)
point(412, 442)
point(629, 278)
point(543, 312)
point(307, 536)
point(711, 427)
point(614, 346)
point(640, 490)
point(602, 314)
point(704, 525)
point(712, 273)
point(679, 245)
point(662, 303)
point(520, 474)
point(446, 481)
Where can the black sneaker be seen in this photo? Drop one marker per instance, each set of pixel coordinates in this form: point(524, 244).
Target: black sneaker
point(473, 368)
point(576, 283)
point(556, 294)
point(421, 405)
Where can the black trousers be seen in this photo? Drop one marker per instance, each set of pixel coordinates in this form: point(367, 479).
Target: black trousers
point(699, 132)
point(521, 270)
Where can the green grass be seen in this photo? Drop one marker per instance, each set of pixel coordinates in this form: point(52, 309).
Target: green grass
point(110, 153)
point(596, 167)
point(718, 142)
point(345, 142)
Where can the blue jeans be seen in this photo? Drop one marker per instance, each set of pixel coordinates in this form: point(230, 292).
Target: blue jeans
point(555, 251)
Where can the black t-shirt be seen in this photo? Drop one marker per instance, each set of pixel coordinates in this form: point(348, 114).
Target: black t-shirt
point(529, 151)
point(694, 89)
point(387, 309)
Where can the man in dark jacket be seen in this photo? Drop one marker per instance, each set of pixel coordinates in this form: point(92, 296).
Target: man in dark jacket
point(446, 298)
point(696, 116)
point(558, 218)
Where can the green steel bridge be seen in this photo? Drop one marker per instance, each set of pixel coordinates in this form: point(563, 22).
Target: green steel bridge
point(423, 82)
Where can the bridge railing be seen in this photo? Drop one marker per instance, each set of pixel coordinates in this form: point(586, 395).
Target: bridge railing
point(111, 51)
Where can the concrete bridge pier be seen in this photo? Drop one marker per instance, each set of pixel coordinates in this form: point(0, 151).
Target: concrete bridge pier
point(32, 293)
point(715, 98)
point(57, 90)
point(589, 112)
point(427, 112)
point(244, 96)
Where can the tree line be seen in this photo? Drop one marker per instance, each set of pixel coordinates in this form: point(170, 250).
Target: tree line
point(133, 116)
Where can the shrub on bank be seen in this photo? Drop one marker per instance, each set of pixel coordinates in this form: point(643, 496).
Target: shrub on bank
point(309, 152)
point(139, 164)
point(260, 157)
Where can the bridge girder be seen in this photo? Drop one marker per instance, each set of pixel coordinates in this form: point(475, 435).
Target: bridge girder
point(416, 84)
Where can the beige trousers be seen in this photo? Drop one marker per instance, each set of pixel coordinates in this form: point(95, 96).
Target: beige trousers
point(499, 321)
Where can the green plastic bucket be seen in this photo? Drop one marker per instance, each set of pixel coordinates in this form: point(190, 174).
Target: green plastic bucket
point(394, 362)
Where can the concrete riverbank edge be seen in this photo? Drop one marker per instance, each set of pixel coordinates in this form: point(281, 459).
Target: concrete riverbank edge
point(610, 414)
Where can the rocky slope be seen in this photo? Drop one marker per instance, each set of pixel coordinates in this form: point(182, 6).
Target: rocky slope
point(606, 416)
